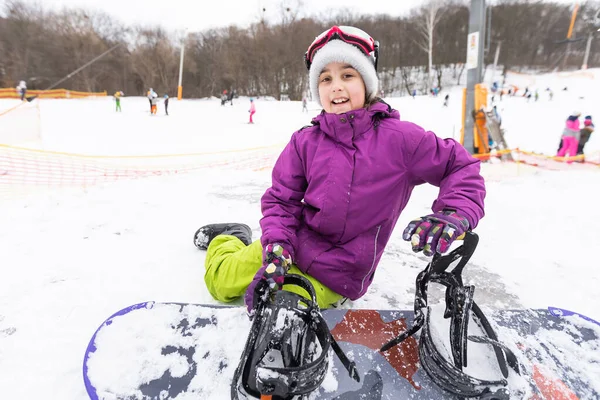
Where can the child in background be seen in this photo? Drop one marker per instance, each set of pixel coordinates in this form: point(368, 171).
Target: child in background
point(117, 97)
point(585, 133)
point(149, 95)
point(339, 186)
point(304, 104)
point(570, 137)
point(22, 89)
point(252, 110)
point(224, 97)
point(153, 105)
point(166, 104)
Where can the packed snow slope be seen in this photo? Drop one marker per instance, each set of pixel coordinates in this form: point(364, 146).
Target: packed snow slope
point(72, 256)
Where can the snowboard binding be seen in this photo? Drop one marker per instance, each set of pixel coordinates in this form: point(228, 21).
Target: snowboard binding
point(460, 308)
point(288, 349)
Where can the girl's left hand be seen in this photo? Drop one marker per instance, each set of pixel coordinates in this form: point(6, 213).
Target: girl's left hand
point(434, 233)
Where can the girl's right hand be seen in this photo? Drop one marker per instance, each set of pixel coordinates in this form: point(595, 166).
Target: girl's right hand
point(269, 278)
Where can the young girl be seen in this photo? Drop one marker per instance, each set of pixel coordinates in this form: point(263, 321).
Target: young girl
point(252, 110)
point(570, 137)
point(340, 185)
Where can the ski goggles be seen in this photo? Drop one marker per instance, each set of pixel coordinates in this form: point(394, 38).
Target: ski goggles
point(348, 34)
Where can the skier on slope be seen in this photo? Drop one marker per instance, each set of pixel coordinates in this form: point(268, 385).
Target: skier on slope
point(339, 186)
point(166, 102)
point(117, 96)
point(252, 110)
point(151, 94)
point(22, 89)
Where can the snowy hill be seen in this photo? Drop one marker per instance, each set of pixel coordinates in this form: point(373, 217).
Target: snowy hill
point(73, 252)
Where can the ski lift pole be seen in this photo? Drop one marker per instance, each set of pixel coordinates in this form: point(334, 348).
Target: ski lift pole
point(572, 24)
point(588, 45)
point(474, 64)
point(569, 33)
point(496, 56)
point(179, 87)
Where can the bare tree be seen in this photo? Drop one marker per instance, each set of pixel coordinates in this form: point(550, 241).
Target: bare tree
point(428, 17)
point(265, 58)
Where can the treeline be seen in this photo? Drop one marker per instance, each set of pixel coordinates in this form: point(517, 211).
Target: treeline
point(42, 46)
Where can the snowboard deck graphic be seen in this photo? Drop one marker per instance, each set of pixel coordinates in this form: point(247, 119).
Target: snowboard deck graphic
point(190, 351)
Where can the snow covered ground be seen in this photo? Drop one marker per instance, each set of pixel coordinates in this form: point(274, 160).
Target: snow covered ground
point(72, 257)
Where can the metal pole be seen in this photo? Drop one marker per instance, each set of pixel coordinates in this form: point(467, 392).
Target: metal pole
point(475, 47)
point(587, 51)
point(179, 87)
point(496, 56)
point(488, 44)
point(569, 33)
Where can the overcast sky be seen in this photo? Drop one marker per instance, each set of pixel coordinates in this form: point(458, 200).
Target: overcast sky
point(197, 15)
point(203, 14)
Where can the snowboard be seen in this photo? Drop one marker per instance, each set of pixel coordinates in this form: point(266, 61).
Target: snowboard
point(182, 351)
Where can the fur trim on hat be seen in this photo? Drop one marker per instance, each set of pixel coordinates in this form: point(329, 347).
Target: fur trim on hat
point(342, 52)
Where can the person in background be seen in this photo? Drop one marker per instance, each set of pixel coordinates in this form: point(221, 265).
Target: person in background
point(497, 115)
point(166, 101)
point(22, 89)
point(151, 94)
point(446, 100)
point(224, 97)
point(585, 133)
point(153, 105)
point(570, 137)
point(252, 110)
point(339, 187)
point(304, 104)
point(117, 97)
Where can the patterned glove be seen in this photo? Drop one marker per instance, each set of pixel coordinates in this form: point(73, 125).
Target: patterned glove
point(276, 263)
point(434, 233)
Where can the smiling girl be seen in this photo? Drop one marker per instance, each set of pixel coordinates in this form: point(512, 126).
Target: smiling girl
point(339, 186)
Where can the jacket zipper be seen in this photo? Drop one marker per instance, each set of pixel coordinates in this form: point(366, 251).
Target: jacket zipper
point(362, 285)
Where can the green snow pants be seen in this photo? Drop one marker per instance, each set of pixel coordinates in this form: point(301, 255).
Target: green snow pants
point(231, 266)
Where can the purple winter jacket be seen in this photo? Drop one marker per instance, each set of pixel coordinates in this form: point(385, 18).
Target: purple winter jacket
point(339, 187)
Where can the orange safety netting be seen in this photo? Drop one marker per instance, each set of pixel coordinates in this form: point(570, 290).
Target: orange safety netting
point(24, 168)
point(12, 93)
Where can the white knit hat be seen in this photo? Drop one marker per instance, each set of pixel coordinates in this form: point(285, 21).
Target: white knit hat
point(339, 51)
